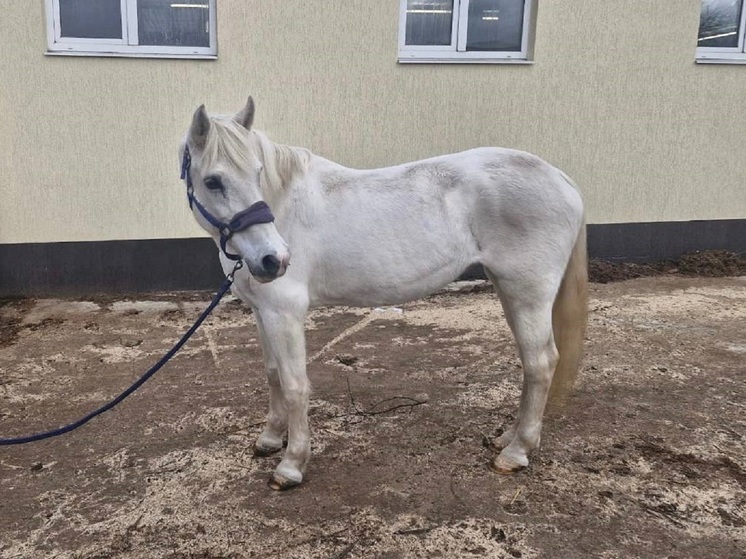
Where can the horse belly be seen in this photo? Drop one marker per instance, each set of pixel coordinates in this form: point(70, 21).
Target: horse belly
point(388, 264)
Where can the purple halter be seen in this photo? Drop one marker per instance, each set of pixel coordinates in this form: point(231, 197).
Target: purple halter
point(255, 214)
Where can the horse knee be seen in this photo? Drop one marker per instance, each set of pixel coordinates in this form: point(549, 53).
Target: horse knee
point(297, 396)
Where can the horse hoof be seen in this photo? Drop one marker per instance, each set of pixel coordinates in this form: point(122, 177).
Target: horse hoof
point(505, 467)
point(262, 451)
point(281, 483)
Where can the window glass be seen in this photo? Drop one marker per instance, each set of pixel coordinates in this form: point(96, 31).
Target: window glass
point(718, 23)
point(495, 25)
point(429, 22)
point(182, 23)
point(91, 19)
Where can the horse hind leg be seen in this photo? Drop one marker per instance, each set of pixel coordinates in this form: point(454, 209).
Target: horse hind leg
point(270, 440)
point(272, 436)
point(505, 438)
point(528, 309)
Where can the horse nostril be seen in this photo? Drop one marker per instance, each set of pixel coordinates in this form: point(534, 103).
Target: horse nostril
point(271, 264)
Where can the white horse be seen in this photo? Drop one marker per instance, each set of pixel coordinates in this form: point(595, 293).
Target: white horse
point(387, 236)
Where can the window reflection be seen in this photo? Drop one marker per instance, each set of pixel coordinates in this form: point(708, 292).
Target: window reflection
point(719, 22)
point(495, 25)
point(181, 23)
point(84, 19)
point(429, 23)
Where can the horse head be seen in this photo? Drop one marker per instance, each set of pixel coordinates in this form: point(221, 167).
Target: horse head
point(222, 166)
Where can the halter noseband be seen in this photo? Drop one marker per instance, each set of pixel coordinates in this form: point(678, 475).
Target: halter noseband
point(255, 214)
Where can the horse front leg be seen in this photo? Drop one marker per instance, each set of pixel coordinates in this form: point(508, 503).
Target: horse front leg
point(271, 438)
point(286, 341)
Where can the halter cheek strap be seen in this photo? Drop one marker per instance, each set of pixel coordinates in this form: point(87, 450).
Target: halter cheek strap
point(255, 214)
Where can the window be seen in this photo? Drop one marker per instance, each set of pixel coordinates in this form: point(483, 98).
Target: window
point(721, 31)
point(155, 28)
point(476, 31)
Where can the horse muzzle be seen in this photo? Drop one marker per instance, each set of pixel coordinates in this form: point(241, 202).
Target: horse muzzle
point(269, 267)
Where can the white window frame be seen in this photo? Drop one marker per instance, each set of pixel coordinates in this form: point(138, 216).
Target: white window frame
point(727, 55)
point(456, 52)
point(128, 45)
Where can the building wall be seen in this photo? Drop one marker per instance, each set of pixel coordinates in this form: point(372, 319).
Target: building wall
point(88, 146)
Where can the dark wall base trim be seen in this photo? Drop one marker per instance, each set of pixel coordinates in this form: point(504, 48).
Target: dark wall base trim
point(650, 242)
point(100, 267)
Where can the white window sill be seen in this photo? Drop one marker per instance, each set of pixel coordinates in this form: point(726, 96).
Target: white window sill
point(446, 55)
point(741, 60)
point(435, 60)
point(132, 55)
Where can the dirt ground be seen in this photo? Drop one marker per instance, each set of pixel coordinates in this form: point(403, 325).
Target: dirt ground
point(647, 460)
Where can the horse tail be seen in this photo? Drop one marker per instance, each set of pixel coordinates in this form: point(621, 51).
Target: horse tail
point(569, 318)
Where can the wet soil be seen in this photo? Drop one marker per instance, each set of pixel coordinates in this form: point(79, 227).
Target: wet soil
point(646, 460)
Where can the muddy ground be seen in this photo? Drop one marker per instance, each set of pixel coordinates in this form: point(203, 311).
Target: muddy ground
point(647, 460)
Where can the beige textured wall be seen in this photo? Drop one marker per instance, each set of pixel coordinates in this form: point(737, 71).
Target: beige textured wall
point(88, 145)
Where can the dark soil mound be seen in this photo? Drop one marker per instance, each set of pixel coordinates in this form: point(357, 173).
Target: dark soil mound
point(710, 263)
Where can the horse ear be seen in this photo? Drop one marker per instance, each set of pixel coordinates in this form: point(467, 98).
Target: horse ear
point(200, 127)
point(245, 117)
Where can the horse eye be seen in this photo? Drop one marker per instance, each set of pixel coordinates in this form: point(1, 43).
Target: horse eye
point(213, 183)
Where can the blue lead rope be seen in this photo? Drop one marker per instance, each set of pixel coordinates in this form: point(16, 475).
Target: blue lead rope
point(153, 370)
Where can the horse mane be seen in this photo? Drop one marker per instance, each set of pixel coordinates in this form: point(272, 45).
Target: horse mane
point(282, 164)
point(229, 140)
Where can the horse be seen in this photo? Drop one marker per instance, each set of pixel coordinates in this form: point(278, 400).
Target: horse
point(387, 236)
